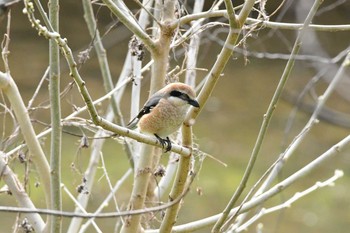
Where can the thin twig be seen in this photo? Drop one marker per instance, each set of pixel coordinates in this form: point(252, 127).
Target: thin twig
point(264, 23)
point(78, 205)
point(287, 204)
point(12, 209)
point(296, 142)
point(116, 187)
point(17, 190)
point(125, 16)
point(36, 92)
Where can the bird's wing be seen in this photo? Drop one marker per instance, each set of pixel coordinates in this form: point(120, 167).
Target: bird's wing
point(151, 103)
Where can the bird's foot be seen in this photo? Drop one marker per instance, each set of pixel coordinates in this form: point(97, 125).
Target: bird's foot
point(168, 148)
point(166, 143)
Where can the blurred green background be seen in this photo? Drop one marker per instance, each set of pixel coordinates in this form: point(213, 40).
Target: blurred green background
point(227, 127)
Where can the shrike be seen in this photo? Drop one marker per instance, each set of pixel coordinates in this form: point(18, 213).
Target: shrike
point(165, 111)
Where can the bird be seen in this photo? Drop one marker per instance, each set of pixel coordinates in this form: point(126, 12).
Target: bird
point(164, 112)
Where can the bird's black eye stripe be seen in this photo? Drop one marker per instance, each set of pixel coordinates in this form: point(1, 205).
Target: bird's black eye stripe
point(179, 94)
point(176, 93)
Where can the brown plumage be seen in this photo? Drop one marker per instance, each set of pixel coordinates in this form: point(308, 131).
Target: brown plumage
point(165, 111)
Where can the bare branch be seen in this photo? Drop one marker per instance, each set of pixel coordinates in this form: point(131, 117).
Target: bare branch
point(11, 209)
point(267, 118)
point(125, 16)
point(19, 193)
point(256, 201)
point(287, 204)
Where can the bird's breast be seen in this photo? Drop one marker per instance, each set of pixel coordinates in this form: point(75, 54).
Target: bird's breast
point(164, 119)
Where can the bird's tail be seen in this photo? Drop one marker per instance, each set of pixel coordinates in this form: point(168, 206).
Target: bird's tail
point(133, 123)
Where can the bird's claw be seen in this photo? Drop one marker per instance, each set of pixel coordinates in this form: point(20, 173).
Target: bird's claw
point(166, 143)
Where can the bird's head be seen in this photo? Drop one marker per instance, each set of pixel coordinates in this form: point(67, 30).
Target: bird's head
point(181, 94)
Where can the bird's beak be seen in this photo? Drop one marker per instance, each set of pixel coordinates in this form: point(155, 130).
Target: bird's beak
point(194, 103)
